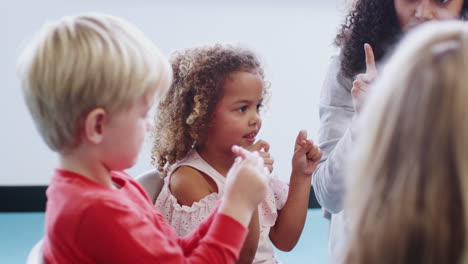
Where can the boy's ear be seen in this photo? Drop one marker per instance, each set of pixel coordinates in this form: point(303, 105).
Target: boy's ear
point(94, 125)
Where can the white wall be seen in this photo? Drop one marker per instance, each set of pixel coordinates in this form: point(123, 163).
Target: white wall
point(294, 39)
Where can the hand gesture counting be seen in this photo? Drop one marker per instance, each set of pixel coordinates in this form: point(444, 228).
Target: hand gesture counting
point(246, 185)
point(306, 155)
point(267, 158)
point(362, 81)
point(291, 218)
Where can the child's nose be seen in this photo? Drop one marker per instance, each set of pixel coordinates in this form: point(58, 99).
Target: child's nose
point(425, 10)
point(254, 119)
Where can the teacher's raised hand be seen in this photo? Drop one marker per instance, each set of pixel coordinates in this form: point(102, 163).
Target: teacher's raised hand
point(363, 80)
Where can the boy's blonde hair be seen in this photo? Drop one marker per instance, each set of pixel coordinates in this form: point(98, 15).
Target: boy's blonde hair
point(408, 188)
point(80, 63)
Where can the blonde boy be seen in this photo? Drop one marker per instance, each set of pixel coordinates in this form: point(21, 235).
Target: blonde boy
point(89, 82)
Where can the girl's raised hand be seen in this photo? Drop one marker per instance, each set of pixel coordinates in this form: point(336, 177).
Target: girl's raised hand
point(306, 155)
point(263, 147)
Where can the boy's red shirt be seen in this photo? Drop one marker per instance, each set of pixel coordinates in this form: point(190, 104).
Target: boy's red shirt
point(89, 223)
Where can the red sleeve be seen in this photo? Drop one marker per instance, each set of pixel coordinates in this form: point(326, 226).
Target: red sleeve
point(112, 233)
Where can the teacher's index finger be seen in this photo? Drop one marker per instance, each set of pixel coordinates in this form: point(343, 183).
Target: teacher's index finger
point(370, 59)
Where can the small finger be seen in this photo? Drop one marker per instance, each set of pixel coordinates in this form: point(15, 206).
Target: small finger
point(259, 145)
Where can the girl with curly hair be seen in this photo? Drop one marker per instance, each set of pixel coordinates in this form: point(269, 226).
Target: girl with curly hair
point(371, 30)
point(214, 103)
point(407, 198)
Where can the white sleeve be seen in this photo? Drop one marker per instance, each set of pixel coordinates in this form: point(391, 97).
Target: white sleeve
point(334, 138)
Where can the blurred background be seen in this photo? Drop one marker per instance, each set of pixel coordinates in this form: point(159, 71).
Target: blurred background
point(293, 38)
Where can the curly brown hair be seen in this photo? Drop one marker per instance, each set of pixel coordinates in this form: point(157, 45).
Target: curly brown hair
point(374, 22)
point(185, 113)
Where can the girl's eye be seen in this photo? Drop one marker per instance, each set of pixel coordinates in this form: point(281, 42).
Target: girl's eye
point(442, 1)
point(242, 109)
point(259, 106)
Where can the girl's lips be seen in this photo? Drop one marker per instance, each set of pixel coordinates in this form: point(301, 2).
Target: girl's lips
point(250, 139)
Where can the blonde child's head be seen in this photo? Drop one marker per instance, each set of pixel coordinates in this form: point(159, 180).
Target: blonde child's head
point(79, 63)
point(407, 193)
point(198, 84)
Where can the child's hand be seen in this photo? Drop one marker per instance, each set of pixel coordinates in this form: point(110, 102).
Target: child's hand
point(267, 158)
point(246, 185)
point(248, 175)
point(306, 155)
